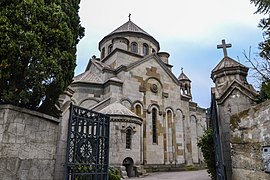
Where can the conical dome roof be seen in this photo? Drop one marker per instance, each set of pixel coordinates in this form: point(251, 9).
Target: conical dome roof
point(182, 77)
point(118, 109)
point(227, 62)
point(128, 29)
point(228, 66)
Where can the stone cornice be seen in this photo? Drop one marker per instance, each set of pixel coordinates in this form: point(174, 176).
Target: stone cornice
point(125, 119)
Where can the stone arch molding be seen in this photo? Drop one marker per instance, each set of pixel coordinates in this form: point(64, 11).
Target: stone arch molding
point(170, 109)
point(136, 103)
point(193, 116)
point(154, 85)
point(127, 103)
point(84, 102)
point(124, 130)
point(151, 106)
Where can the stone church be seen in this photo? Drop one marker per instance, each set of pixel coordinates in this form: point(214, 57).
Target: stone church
point(154, 121)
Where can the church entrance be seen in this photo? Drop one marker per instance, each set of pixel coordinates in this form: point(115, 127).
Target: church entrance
point(128, 163)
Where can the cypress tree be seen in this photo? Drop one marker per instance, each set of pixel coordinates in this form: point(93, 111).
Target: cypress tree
point(38, 41)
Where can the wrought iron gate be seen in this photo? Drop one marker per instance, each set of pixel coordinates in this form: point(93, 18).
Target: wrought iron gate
point(87, 155)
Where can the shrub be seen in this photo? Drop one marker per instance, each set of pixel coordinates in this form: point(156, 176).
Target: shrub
point(114, 174)
point(206, 143)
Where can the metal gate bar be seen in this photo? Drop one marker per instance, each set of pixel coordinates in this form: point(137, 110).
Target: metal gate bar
point(87, 154)
point(220, 169)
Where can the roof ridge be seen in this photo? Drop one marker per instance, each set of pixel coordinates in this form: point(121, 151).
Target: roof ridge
point(130, 27)
point(224, 64)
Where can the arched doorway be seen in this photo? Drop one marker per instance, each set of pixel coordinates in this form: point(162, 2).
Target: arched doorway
point(128, 163)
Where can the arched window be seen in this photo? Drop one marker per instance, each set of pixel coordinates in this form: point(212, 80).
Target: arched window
point(154, 124)
point(169, 118)
point(128, 138)
point(145, 49)
point(134, 47)
point(110, 48)
point(186, 87)
point(138, 110)
point(102, 53)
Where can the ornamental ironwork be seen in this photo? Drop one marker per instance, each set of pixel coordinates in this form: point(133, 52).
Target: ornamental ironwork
point(87, 154)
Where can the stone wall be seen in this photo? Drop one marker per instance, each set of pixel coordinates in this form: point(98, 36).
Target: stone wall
point(250, 130)
point(28, 142)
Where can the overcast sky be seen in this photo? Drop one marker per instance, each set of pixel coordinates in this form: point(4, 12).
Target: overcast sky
point(188, 30)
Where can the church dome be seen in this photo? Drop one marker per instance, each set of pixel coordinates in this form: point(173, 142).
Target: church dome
point(131, 34)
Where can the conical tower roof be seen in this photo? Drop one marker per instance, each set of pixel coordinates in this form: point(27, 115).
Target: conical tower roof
point(228, 66)
point(129, 27)
point(118, 109)
point(227, 62)
point(126, 30)
point(182, 77)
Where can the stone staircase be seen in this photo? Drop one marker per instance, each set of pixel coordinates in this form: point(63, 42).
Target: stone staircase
point(123, 172)
point(140, 171)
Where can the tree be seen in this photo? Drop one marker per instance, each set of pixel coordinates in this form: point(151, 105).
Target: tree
point(262, 66)
point(206, 143)
point(37, 51)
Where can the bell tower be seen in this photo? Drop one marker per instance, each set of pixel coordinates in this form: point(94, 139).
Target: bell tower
point(185, 85)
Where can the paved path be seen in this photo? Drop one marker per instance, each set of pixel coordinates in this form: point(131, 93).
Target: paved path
point(183, 175)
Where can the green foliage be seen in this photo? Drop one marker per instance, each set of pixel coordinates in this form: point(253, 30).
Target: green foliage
point(37, 51)
point(263, 68)
point(114, 174)
point(189, 168)
point(80, 168)
point(263, 6)
point(264, 92)
point(206, 143)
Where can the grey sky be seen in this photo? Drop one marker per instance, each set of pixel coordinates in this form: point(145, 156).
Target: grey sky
point(188, 30)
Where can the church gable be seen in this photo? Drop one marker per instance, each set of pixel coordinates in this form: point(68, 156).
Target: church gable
point(150, 65)
point(151, 78)
point(245, 90)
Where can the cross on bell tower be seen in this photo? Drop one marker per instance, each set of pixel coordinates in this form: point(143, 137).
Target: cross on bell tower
point(224, 46)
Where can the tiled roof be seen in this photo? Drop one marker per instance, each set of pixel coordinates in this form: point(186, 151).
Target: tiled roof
point(129, 27)
point(88, 76)
point(117, 109)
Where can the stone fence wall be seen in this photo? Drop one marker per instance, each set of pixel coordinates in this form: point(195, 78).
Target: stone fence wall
point(250, 131)
point(28, 142)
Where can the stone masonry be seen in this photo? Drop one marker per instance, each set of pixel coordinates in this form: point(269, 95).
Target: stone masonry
point(250, 131)
point(28, 142)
